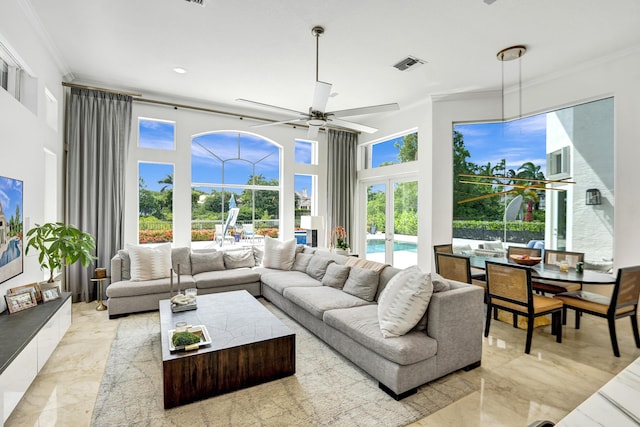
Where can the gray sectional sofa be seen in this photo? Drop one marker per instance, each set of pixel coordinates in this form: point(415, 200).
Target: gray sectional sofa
point(339, 304)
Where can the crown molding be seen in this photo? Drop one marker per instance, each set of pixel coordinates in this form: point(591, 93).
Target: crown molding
point(37, 25)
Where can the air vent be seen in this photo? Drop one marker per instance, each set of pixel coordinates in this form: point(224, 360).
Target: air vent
point(409, 62)
point(202, 3)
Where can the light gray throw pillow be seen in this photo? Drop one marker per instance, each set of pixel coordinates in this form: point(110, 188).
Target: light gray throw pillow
point(279, 255)
point(206, 261)
point(239, 259)
point(181, 256)
point(362, 283)
point(440, 284)
point(336, 275)
point(318, 266)
point(403, 302)
point(302, 262)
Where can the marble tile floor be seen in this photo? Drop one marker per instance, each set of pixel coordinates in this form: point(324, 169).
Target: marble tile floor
point(514, 389)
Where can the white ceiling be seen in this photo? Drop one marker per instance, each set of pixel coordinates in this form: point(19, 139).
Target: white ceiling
point(264, 50)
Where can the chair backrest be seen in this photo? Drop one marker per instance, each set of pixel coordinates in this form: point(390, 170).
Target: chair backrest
point(517, 250)
point(510, 283)
point(444, 249)
point(553, 257)
point(248, 229)
point(627, 289)
point(453, 267)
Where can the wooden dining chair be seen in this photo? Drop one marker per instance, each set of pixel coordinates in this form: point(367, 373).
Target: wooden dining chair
point(622, 303)
point(445, 249)
point(456, 267)
point(553, 257)
point(519, 250)
point(509, 288)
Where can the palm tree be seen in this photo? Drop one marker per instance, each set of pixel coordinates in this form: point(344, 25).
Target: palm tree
point(528, 170)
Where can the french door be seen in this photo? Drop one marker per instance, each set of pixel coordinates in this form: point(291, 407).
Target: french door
point(391, 210)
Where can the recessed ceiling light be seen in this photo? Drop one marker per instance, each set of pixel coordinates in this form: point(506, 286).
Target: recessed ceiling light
point(180, 70)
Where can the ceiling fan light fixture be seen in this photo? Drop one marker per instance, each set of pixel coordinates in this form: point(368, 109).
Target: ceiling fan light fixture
point(316, 122)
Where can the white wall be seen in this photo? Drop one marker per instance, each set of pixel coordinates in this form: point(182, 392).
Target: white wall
point(24, 136)
point(190, 123)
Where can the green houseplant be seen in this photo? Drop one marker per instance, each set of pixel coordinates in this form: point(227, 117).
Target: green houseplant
point(60, 244)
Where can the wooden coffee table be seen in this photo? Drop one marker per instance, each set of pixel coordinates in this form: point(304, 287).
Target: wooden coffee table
point(249, 346)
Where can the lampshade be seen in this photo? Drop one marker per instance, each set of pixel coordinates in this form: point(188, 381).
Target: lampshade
point(309, 222)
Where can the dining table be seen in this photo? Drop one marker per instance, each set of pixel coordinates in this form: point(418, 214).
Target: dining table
point(551, 272)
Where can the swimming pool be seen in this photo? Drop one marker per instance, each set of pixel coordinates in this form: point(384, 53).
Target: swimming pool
point(375, 246)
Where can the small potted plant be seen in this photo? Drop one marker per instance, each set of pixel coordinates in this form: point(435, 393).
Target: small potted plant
point(60, 244)
point(342, 247)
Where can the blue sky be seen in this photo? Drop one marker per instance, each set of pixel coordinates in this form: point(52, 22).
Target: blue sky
point(10, 196)
point(517, 141)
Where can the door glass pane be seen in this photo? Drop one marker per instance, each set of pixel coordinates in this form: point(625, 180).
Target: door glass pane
point(405, 224)
point(376, 222)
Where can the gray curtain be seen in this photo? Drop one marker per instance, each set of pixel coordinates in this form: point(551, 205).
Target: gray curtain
point(97, 126)
point(341, 181)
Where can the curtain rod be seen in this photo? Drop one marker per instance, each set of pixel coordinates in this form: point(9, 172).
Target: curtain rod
point(138, 98)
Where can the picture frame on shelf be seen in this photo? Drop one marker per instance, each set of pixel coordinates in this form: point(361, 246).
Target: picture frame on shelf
point(33, 288)
point(19, 302)
point(50, 294)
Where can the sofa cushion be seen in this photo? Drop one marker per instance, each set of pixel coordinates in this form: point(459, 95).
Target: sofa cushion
point(279, 280)
point(238, 259)
point(318, 266)
point(279, 254)
point(361, 325)
point(301, 262)
point(125, 270)
point(127, 288)
point(148, 263)
point(336, 275)
point(363, 263)
point(216, 279)
point(362, 282)
point(404, 302)
point(316, 300)
point(182, 257)
point(206, 261)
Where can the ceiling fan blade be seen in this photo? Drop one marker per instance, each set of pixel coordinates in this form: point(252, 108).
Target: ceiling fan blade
point(321, 96)
point(312, 133)
point(273, 107)
point(282, 122)
point(365, 110)
point(352, 125)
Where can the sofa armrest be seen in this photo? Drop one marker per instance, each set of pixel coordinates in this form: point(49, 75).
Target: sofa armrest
point(455, 319)
point(116, 269)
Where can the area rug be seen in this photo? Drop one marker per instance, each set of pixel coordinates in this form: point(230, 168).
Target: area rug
point(327, 389)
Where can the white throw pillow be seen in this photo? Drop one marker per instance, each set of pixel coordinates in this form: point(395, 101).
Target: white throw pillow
point(149, 263)
point(279, 255)
point(404, 301)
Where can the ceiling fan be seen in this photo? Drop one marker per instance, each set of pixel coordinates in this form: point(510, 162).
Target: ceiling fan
point(317, 117)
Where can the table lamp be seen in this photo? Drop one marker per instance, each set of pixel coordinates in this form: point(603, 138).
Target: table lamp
point(311, 224)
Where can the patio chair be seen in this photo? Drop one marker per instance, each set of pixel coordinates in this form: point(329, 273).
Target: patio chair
point(250, 234)
point(622, 303)
point(509, 288)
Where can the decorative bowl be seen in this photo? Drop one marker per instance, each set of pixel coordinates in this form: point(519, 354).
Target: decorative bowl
point(526, 259)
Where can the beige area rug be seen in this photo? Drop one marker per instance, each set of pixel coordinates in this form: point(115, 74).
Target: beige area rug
point(327, 389)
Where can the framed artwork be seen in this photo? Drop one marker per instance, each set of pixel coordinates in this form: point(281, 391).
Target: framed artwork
point(50, 294)
point(19, 302)
point(11, 244)
point(33, 288)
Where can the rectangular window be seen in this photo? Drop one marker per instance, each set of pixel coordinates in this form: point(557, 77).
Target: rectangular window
point(400, 149)
point(156, 134)
point(155, 202)
point(306, 152)
point(304, 193)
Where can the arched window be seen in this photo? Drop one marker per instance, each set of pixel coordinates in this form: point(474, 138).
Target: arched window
point(229, 170)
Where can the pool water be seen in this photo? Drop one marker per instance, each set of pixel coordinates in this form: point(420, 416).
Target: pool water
point(375, 246)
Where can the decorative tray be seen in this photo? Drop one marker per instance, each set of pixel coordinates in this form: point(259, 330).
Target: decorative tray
point(200, 330)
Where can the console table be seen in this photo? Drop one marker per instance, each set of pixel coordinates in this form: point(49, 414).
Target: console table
point(28, 338)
